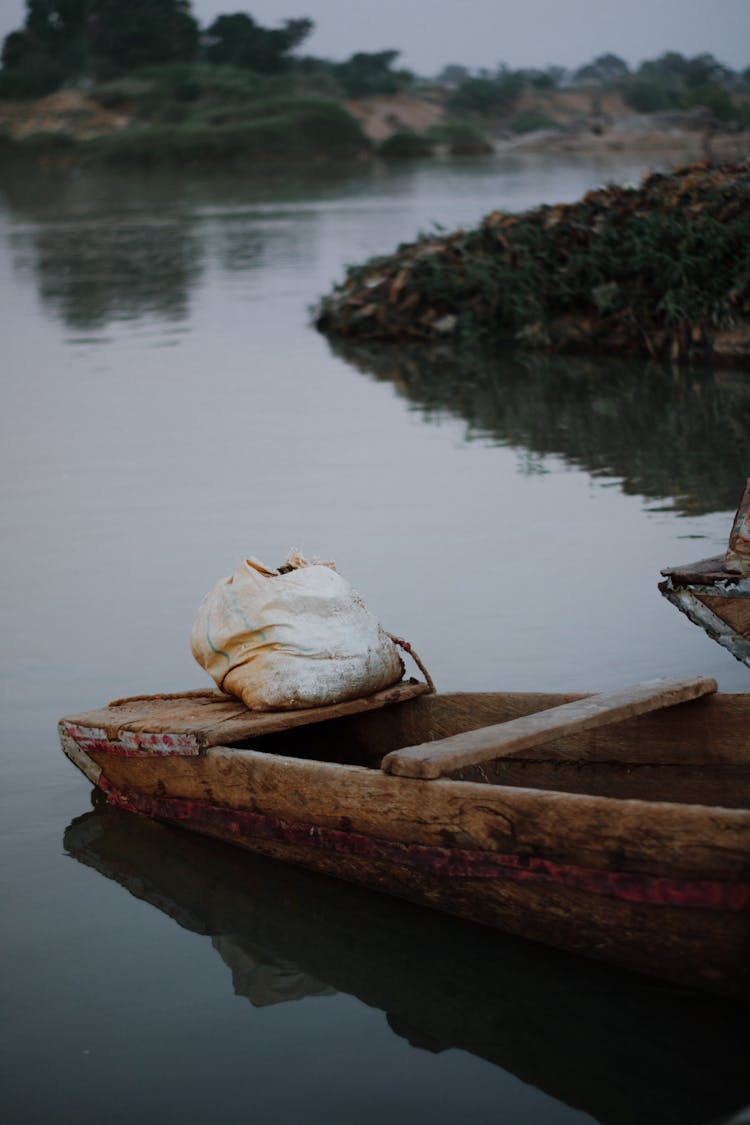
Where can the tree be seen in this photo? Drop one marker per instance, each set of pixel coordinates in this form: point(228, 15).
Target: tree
point(604, 68)
point(453, 74)
point(488, 96)
point(54, 33)
point(371, 72)
point(237, 40)
point(126, 34)
point(69, 38)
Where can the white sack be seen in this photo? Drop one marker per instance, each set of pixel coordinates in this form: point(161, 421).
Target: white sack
point(299, 639)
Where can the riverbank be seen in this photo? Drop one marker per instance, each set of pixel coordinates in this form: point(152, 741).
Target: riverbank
point(68, 129)
point(658, 270)
point(211, 118)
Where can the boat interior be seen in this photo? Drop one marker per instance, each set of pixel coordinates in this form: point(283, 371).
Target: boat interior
point(677, 741)
point(693, 753)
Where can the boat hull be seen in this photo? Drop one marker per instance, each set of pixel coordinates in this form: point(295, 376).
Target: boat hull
point(715, 600)
point(653, 886)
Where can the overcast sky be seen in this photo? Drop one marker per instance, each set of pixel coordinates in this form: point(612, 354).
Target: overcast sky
point(430, 33)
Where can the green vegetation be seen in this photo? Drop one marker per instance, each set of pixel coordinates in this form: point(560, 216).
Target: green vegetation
point(71, 39)
point(282, 128)
point(365, 74)
point(237, 40)
point(487, 96)
point(459, 137)
point(654, 268)
point(531, 120)
point(74, 41)
point(405, 144)
point(166, 75)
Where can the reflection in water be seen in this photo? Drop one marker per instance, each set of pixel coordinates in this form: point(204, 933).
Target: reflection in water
point(105, 249)
point(667, 434)
point(621, 1048)
point(91, 274)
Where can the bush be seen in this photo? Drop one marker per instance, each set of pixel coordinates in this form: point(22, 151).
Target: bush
point(713, 97)
point(531, 121)
point(638, 268)
point(34, 78)
point(647, 96)
point(275, 128)
point(462, 138)
point(487, 97)
point(405, 145)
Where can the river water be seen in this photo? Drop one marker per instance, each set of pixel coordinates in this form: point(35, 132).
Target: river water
point(167, 409)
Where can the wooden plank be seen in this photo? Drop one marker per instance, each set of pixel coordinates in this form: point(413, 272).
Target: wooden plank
point(213, 718)
point(433, 759)
point(705, 572)
point(599, 832)
point(189, 708)
point(707, 731)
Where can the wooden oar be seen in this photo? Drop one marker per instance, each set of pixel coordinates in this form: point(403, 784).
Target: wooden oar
point(433, 759)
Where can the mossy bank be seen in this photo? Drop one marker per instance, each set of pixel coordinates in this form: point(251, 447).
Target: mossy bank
point(661, 269)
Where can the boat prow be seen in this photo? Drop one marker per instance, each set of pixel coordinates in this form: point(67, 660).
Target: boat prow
point(714, 593)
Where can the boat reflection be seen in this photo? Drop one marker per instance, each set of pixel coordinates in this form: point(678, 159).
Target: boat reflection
point(621, 1048)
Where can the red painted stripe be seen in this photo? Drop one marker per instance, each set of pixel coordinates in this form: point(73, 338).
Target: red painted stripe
point(134, 744)
point(443, 863)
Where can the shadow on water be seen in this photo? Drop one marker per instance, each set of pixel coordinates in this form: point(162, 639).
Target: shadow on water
point(666, 433)
point(621, 1048)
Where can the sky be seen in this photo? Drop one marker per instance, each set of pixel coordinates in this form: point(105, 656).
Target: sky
point(484, 33)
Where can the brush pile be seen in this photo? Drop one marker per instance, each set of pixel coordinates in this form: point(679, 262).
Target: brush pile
point(662, 269)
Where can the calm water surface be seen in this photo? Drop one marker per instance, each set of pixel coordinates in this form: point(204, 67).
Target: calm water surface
point(167, 409)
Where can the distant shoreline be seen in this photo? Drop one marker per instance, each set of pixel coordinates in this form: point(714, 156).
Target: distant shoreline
point(69, 128)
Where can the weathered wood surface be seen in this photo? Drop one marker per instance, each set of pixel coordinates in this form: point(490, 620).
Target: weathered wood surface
point(737, 558)
point(704, 572)
point(213, 719)
point(726, 786)
point(735, 611)
point(694, 946)
point(722, 615)
point(434, 759)
point(595, 832)
point(711, 730)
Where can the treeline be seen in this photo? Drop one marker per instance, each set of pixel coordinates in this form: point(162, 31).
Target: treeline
point(670, 82)
point(90, 43)
point(85, 42)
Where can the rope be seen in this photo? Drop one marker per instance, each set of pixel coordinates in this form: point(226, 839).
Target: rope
point(407, 648)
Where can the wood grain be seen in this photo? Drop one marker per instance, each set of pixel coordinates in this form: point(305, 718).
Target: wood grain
point(704, 572)
point(596, 832)
point(734, 611)
point(694, 947)
point(433, 759)
point(214, 718)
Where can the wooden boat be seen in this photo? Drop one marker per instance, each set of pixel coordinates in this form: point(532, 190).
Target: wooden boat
point(714, 593)
point(560, 1023)
point(616, 826)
